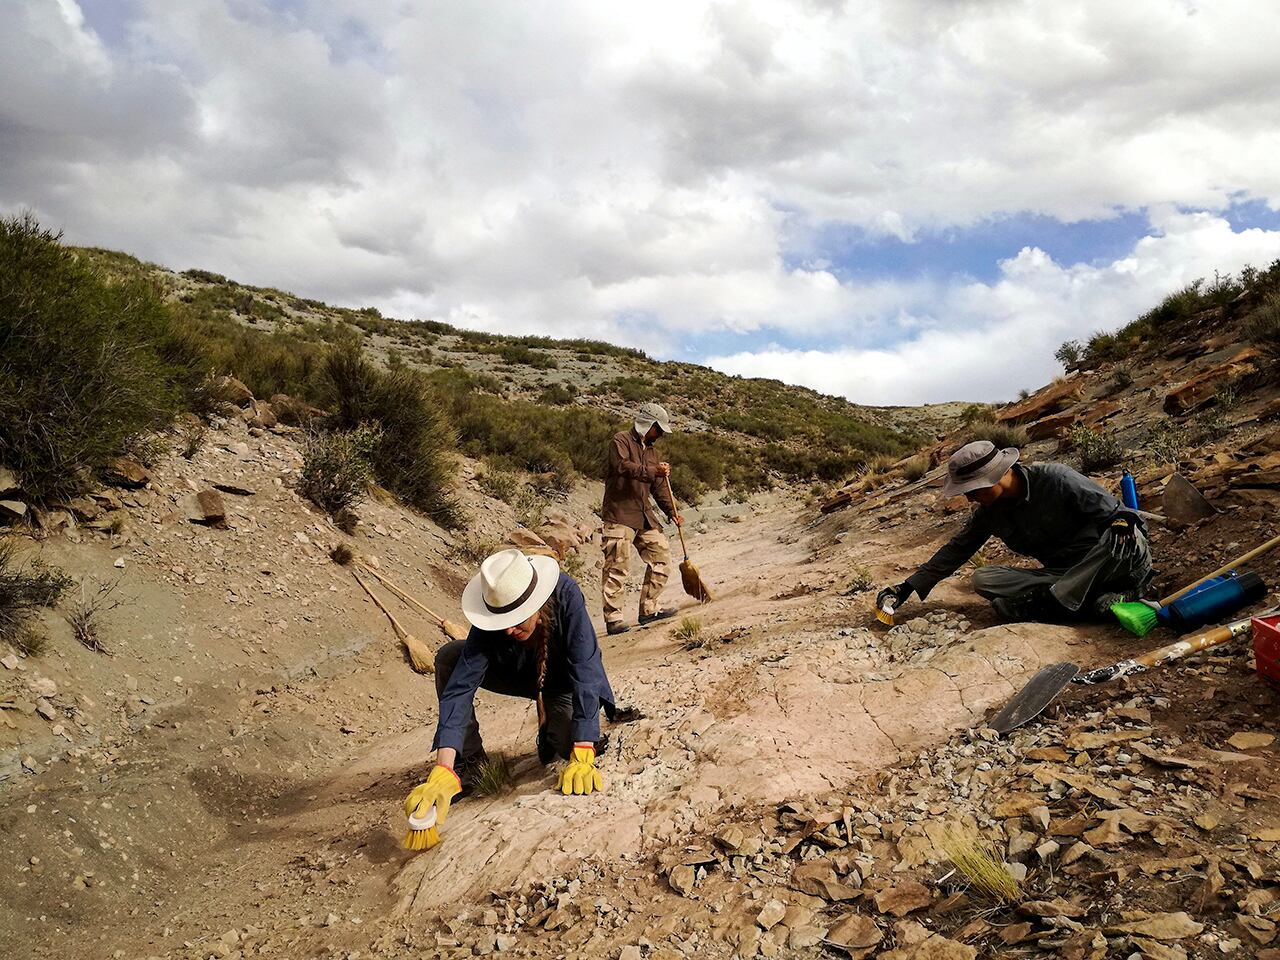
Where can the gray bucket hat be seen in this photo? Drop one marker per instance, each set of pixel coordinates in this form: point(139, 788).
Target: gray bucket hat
point(648, 415)
point(977, 465)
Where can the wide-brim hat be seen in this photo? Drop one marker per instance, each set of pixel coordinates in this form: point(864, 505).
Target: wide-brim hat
point(648, 415)
point(509, 589)
point(977, 465)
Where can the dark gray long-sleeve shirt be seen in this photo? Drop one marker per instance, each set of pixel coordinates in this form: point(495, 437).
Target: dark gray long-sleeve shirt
point(1058, 519)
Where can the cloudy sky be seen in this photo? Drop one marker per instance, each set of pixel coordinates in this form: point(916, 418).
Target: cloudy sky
point(895, 200)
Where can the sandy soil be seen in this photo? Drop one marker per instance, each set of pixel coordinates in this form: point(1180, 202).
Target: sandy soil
point(238, 759)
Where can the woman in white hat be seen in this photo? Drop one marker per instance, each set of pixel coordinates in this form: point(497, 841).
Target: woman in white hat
point(530, 637)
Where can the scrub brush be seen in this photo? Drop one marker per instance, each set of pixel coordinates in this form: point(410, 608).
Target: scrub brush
point(884, 612)
point(423, 834)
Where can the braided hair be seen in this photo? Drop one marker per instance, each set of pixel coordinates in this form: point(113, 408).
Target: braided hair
point(542, 635)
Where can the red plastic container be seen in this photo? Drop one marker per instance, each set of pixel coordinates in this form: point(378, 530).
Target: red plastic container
point(1266, 648)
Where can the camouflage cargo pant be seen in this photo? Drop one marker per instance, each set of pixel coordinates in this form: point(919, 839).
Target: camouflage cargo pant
point(654, 550)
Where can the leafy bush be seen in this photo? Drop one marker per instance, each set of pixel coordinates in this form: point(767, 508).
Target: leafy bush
point(1097, 450)
point(89, 366)
point(998, 433)
point(1069, 353)
point(24, 589)
point(413, 457)
point(337, 467)
point(555, 395)
point(977, 413)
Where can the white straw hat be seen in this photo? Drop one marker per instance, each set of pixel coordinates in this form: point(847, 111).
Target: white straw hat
point(509, 589)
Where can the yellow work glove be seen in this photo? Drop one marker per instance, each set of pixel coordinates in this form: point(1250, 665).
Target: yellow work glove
point(581, 775)
point(441, 787)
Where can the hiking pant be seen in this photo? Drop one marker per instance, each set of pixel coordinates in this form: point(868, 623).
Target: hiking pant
point(554, 740)
point(654, 550)
point(1096, 574)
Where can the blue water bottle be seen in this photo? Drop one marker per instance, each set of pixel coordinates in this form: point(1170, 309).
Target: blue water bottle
point(1129, 491)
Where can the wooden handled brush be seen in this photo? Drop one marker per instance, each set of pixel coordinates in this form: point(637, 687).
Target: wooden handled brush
point(450, 629)
point(420, 655)
point(689, 576)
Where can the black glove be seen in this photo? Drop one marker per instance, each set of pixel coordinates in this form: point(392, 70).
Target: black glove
point(899, 595)
point(1120, 539)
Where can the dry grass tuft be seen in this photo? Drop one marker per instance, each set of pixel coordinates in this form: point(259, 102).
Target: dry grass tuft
point(341, 555)
point(493, 777)
point(689, 633)
point(85, 611)
point(979, 863)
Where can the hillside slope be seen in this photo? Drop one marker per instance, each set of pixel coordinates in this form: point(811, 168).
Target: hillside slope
point(742, 434)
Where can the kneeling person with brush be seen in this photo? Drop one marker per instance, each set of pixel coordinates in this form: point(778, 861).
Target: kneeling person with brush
point(530, 637)
point(1094, 551)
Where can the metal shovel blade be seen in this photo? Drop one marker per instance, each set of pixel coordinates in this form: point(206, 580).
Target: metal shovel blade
point(1028, 702)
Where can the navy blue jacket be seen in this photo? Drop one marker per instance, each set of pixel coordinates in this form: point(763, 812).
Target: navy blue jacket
point(574, 667)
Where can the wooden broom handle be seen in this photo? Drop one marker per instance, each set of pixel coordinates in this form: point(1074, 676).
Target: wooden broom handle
point(400, 631)
point(1252, 554)
point(679, 529)
point(401, 594)
point(1201, 641)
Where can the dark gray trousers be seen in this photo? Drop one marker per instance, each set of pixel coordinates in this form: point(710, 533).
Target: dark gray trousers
point(1097, 573)
point(554, 740)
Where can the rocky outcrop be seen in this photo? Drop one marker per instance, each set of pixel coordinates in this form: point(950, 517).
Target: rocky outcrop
point(1053, 399)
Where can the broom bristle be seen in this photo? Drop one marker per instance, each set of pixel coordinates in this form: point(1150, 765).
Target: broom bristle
point(420, 656)
point(1138, 618)
point(453, 631)
point(341, 555)
point(693, 584)
point(421, 839)
point(884, 616)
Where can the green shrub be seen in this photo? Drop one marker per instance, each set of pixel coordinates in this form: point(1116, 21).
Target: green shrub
point(25, 588)
point(89, 365)
point(1000, 434)
point(1096, 449)
point(976, 413)
point(1069, 353)
point(555, 395)
point(1121, 378)
point(337, 468)
point(413, 457)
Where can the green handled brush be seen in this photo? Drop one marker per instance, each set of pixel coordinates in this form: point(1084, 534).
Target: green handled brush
point(1139, 617)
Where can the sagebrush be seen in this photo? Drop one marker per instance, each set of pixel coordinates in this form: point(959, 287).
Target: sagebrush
point(25, 588)
point(414, 453)
point(337, 467)
point(90, 365)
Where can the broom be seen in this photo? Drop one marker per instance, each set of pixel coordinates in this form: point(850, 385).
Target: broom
point(689, 575)
point(450, 629)
point(420, 656)
point(343, 556)
point(1141, 617)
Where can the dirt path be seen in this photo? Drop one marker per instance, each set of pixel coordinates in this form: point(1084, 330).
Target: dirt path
point(258, 798)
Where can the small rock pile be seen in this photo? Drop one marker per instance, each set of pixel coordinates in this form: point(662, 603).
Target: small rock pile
point(920, 639)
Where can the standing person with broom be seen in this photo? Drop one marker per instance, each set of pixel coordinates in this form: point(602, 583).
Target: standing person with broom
point(635, 478)
point(531, 637)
